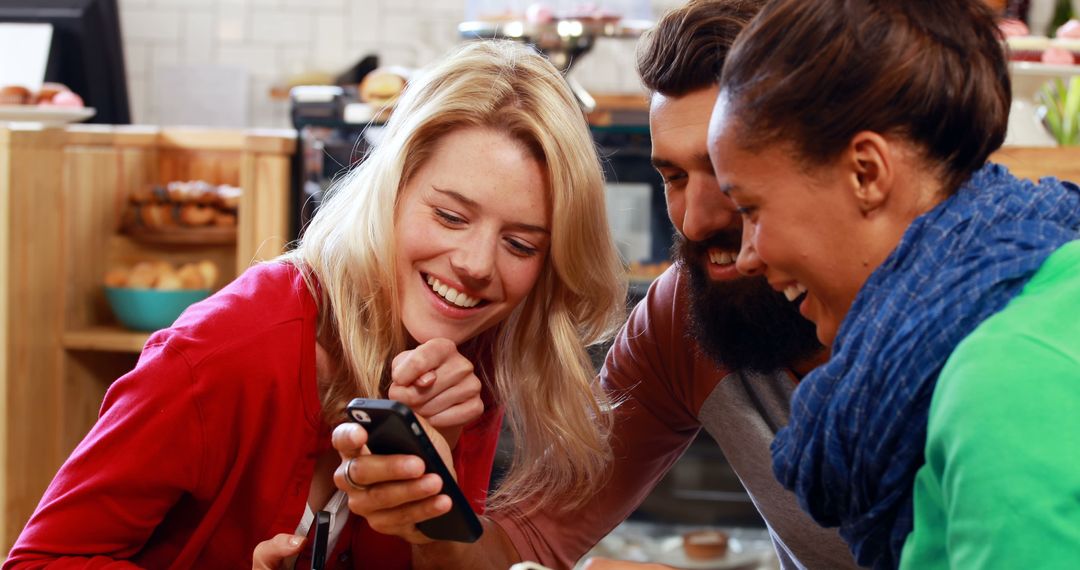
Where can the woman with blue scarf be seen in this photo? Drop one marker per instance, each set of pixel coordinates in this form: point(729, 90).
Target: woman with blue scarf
point(944, 432)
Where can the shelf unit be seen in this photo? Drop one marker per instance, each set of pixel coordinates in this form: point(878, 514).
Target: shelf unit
point(62, 195)
point(105, 338)
point(1034, 163)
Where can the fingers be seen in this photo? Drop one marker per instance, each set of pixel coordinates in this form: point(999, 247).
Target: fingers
point(457, 415)
point(422, 366)
point(392, 493)
point(407, 369)
point(467, 389)
point(460, 397)
point(270, 554)
point(369, 469)
point(397, 496)
point(402, 521)
point(438, 383)
point(349, 439)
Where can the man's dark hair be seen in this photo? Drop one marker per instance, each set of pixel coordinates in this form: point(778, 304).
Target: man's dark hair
point(685, 51)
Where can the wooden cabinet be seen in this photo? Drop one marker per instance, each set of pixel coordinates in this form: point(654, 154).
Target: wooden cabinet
point(1034, 163)
point(62, 194)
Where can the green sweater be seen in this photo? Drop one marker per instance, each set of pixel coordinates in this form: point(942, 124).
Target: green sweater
point(1001, 483)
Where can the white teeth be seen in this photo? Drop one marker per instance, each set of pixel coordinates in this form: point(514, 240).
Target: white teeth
point(793, 291)
point(450, 294)
point(722, 257)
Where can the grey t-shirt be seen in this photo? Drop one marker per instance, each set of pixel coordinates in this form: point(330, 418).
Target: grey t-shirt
point(670, 392)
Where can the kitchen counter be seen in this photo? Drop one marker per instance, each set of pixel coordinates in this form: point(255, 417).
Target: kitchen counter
point(1034, 163)
point(639, 541)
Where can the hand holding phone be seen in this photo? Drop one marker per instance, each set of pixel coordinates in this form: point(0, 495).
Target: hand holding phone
point(393, 429)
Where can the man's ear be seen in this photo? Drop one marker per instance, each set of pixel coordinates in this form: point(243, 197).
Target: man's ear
point(872, 164)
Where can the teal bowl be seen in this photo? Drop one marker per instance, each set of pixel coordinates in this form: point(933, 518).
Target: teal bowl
point(151, 309)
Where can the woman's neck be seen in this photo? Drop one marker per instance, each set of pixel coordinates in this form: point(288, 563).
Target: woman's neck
point(803, 367)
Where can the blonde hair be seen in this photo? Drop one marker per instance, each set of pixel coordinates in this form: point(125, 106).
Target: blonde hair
point(535, 360)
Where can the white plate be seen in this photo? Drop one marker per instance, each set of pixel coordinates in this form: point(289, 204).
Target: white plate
point(639, 541)
point(740, 555)
point(44, 115)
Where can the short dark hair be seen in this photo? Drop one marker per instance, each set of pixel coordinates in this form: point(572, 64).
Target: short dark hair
point(685, 51)
point(816, 73)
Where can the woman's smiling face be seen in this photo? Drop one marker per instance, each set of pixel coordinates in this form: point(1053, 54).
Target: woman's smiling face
point(472, 232)
point(804, 231)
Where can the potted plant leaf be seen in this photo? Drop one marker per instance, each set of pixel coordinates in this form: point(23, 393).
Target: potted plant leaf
point(1061, 109)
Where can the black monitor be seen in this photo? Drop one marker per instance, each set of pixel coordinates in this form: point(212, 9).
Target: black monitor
point(87, 53)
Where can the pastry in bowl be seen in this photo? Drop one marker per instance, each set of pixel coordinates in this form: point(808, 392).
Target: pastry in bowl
point(152, 294)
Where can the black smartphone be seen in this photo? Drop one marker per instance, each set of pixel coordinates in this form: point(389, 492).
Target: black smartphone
point(317, 536)
point(394, 430)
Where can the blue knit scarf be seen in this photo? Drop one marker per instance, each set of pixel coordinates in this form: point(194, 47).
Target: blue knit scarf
point(858, 423)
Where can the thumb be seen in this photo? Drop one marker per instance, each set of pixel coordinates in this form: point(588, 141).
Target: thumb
point(269, 554)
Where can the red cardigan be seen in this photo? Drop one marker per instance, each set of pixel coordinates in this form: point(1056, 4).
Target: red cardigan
point(208, 446)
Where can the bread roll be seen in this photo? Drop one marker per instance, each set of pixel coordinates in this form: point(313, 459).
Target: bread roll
point(15, 95)
point(224, 219)
point(191, 277)
point(230, 196)
point(161, 275)
point(209, 272)
point(169, 282)
point(382, 85)
point(143, 276)
point(157, 215)
point(116, 277)
point(196, 215)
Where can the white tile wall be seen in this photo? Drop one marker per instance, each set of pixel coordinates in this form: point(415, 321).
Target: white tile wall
point(274, 39)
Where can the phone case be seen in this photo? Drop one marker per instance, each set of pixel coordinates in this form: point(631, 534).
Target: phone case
point(319, 534)
point(394, 430)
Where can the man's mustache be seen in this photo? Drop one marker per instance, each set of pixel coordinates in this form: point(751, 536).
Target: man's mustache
point(730, 241)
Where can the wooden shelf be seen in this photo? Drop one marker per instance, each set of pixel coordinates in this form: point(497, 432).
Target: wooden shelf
point(1034, 163)
point(60, 348)
point(210, 235)
point(105, 339)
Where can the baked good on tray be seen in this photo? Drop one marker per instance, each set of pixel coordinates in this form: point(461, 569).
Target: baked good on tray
point(705, 544)
point(191, 204)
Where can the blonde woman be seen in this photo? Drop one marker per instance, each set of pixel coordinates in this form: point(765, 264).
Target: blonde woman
point(461, 269)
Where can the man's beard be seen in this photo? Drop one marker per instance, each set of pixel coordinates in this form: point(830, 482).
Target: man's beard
point(742, 324)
